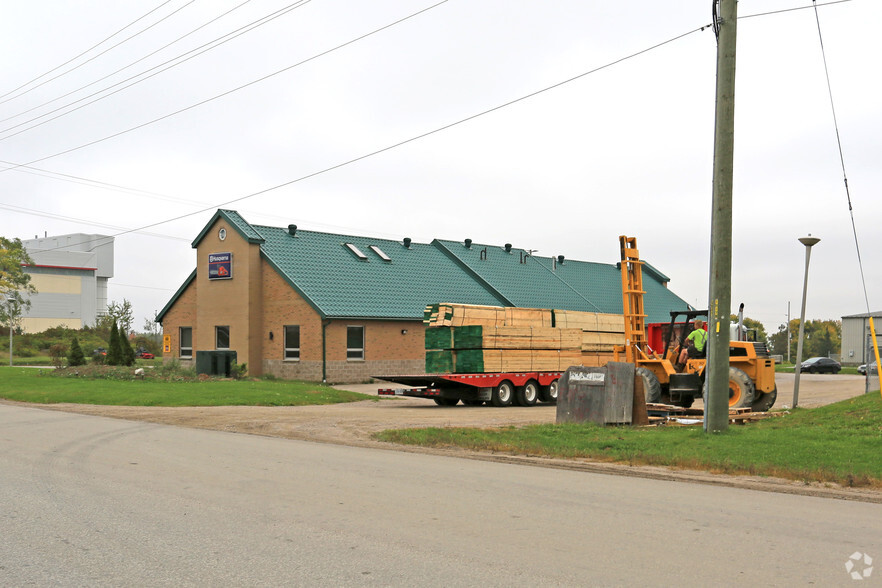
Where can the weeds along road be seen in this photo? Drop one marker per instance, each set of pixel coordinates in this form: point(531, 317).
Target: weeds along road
point(98, 501)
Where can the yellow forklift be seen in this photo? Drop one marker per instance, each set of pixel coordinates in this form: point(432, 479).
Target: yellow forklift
point(751, 368)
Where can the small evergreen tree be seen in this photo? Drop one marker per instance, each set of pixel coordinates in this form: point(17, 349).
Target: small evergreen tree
point(126, 351)
point(114, 349)
point(75, 356)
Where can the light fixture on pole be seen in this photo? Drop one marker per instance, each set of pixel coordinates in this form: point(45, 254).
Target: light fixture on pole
point(808, 242)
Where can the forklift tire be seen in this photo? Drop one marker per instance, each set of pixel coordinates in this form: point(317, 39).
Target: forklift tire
point(502, 394)
point(764, 401)
point(446, 401)
point(741, 389)
point(549, 393)
point(528, 394)
point(651, 385)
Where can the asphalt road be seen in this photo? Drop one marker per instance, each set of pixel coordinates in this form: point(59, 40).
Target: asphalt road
point(96, 501)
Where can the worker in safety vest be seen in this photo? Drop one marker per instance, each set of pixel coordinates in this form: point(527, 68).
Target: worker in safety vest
point(695, 343)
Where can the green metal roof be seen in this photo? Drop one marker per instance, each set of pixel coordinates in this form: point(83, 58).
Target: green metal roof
point(338, 283)
point(381, 278)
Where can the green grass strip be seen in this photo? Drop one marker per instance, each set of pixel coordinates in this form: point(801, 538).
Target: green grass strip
point(40, 386)
point(840, 443)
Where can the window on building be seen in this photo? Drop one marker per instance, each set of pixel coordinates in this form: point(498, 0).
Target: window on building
point(185, 336)
point(354, 343)
point(222, 337)
point(292, 343)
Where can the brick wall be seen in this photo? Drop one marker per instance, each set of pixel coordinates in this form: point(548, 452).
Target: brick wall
point(258, 313)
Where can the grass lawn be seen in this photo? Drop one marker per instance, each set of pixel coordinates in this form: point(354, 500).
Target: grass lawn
point(41, 386)
point(839, 443)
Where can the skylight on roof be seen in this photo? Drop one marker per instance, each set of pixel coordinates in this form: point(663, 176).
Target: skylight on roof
point(356, 251)
point(380, 253)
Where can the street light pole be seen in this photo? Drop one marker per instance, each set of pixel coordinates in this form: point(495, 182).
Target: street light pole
point(808, 242)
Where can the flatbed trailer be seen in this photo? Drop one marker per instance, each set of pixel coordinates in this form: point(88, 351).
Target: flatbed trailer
point(496, 389)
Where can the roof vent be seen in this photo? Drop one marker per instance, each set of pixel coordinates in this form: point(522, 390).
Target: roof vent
point(468, 243)
point(508, 247)
point(292, 230)
point(407, 242)
point(560, 259)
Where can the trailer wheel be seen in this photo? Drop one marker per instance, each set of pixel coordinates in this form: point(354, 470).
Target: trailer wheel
point(528, 394)
point(502, 394)
point(549, 393)
point(446, 401)
point(763, 401)
point(651, 385)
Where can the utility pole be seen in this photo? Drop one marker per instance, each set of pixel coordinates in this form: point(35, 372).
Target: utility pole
point(716, 404)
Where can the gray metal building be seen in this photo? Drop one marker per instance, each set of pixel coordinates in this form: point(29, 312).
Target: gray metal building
point(70, 273)
point(856, 344)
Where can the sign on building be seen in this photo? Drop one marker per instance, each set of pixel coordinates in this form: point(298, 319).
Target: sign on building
point(220, 266)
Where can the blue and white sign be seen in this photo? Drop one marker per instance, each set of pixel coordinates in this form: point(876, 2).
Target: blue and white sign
point(220, 266)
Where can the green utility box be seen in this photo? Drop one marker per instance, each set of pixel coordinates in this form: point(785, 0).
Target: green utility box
point(215, 363)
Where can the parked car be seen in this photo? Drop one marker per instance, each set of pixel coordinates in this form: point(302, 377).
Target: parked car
point(99, 351)
point(144, 354)
point(862, 369)
point(820, 365)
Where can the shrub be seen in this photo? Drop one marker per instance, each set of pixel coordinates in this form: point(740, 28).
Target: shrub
point(75, 356)
point(114, 349)
point(57, 353)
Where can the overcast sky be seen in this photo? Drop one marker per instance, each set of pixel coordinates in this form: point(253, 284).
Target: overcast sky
point(625, 150)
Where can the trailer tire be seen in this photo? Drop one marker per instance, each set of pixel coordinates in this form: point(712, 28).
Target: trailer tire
point(528, 394)
point(651, 385)
point(763, 401)
point(549, 393)
point(446, 401)
point(502, 394)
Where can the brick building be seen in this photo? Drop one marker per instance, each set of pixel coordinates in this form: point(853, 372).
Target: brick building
point(339, 308)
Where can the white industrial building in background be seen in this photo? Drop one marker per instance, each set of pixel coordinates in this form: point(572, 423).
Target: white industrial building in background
point(70, 273)
point(856, 342)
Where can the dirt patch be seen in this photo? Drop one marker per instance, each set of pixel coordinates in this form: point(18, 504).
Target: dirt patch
point(353, 424)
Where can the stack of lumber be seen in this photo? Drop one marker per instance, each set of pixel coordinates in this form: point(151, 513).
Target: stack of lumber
point(463, 338)
point(449, 314)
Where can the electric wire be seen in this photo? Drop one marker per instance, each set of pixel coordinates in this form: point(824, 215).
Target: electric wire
point(405, 141)
point(137, 61)
point(93, 58)
point(842, 160)
point(831, 2)
point(228, 92)
point(72, 59)
point(162, 67)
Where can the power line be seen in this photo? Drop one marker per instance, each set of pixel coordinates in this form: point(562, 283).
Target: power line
point(206, 101)
point(412, 139)
point(792, 9)
point(72, 59)
point(842, 160)
point(174, 62)
point(111, 48)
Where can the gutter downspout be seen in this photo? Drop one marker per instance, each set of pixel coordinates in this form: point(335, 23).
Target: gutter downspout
point(325, 323)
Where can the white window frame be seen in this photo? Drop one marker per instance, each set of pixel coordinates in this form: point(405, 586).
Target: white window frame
point(356, 350)
point(217, 329)
point(181, 348)
point(291, 350)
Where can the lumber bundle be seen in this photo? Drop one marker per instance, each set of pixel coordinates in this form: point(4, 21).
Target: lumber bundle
point(469, 361)
point(449, 314)
point(467, 338)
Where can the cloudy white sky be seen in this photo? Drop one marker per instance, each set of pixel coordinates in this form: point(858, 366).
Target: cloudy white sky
point(625, 150)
